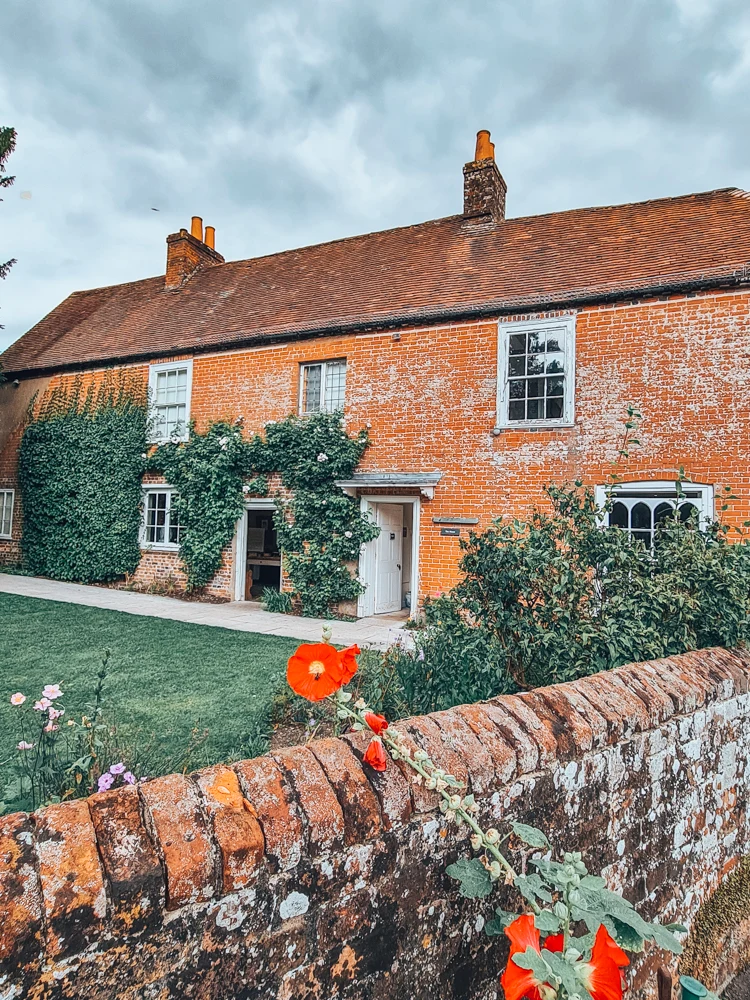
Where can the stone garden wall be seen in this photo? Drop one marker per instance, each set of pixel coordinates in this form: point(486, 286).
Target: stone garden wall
point(300, 875)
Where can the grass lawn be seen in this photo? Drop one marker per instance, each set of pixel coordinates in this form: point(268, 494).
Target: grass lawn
point(165, 677)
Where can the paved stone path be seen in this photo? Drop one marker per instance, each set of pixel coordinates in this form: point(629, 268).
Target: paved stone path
point(245, 616)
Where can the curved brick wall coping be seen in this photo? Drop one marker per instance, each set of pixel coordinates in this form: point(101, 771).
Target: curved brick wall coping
point(244, 878)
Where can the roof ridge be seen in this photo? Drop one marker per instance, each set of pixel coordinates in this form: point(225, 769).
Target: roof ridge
point(628, 204)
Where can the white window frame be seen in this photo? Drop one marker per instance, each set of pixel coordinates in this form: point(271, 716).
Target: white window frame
point(3, 492)
point(323, 365)
point(701, 495)
point(567, 326)
point(153, 371)
point(158, 546)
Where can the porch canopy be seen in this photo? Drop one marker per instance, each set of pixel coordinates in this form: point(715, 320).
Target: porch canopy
point(425, 482)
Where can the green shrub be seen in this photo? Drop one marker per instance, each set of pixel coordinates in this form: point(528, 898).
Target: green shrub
point(278, 601)
point(558, 597)
point(80, 465)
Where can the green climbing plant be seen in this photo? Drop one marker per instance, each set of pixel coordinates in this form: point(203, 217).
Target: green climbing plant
point(80, 465)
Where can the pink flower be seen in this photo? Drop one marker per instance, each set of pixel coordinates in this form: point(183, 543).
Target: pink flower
point(52, 691)
point(117, 768)
point(23, 745)
point(42, 705)
point(105, 782)
point(51, 727)
point(129, 777)
point(17, 698)
point(55, 713)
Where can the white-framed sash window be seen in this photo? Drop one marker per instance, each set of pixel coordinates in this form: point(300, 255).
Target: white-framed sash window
point(161, 528)
point(170, 386)
point(322, 386)
point(639, 507)
point(536, 372)
point(7, 498)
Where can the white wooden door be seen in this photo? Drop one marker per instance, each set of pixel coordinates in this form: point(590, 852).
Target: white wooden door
point(388, 557)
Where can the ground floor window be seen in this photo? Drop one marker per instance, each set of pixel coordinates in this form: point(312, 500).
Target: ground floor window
point(639, 507)
point(6, 513)
point(161, 525)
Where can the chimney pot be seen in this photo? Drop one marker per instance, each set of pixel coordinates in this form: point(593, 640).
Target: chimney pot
point(196, 227)
point(484, 186)
point(210, 239)
point(485, 149)
point(187, 253)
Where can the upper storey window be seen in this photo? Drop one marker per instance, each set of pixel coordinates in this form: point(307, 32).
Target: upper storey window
point(169, 391)
point(322, 386)
point(536, 372)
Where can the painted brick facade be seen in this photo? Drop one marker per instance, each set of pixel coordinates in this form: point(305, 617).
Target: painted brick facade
point(306, 875)
point(429, 400)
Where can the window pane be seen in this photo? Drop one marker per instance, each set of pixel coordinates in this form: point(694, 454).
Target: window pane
point(618, 516)
point(535, 409)
point(535, 387)
point(553, 344)
point(335, 385)
point(517, 388)
point(554, 407)
point(640, 516)
point(644, 536)
point(534, 364)
point(554, 386)
point(688, 512)
point(537, 342)
point(517, 366)
point(311, 388)
point(6, 512)
point(555, 363)
point(662, 511)
point(516, 408)
point(517, 343)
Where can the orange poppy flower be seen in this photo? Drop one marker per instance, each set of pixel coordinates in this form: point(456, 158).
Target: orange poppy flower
point(522, 984)
point(314, 671)
point(376, 722)
point(375, 755)
point(601, 975)
point(348, 662)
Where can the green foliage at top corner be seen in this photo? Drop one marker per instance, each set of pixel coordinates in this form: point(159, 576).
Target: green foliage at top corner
point(79, 475)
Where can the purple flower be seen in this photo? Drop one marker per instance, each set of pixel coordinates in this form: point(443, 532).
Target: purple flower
point(129, 778)
point(420, 656)
point(105, 782)
point(117, 768)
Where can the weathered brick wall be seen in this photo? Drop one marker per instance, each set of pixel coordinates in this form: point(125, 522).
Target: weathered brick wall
point(429, 399)
point(303, 875)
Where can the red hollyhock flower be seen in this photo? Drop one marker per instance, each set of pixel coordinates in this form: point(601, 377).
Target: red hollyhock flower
point(522, 984)
point(348, 662)
point(602, 975)
point(376, 722)
point(375, 755)
point(314, 671)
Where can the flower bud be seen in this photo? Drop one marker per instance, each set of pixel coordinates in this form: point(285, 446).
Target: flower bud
point(443, 806)
point(455, 801)
point(492, 835)
point(345, 696)
point(431, 783)
point(560, 910)
point(450, 815)
point(342, 713)
point(357, 727)
point(420, 755)
point(476, 842)
point(360, 703)
point(495, 870)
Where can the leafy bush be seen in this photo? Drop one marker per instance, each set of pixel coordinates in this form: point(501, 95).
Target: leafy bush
point(79, 473)
point(278, 601)
point(558, 597)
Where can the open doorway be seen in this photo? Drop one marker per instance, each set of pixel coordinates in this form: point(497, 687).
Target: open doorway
point(388, 563)
point(262, 562)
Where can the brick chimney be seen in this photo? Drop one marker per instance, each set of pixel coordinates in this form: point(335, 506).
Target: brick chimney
point(484, 187)
point(188, 251)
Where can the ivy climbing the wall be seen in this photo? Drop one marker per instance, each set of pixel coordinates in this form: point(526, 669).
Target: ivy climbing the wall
point(320, 529)
point(207, 472)
point(80, 479)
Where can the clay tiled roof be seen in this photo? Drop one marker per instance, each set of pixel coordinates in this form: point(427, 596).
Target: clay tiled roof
point(453, 267)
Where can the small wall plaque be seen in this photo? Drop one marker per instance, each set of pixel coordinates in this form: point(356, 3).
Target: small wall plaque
point(450, 531)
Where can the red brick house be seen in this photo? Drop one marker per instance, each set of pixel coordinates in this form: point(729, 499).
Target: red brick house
point(488, 356)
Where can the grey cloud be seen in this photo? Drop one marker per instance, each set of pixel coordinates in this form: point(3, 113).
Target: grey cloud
point(291, 122)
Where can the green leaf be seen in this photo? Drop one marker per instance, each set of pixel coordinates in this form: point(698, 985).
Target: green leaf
point(530, 835)
point(664, 938)
point(532, 960)
point(501, 920)
point(566, 973)
point(593, 882)
point(532, 887)
point(474, 878)
point(547, 922)
point(676, 928)
point(626, 936)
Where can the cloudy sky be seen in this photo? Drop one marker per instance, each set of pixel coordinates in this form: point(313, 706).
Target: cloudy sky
point(288, 122)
